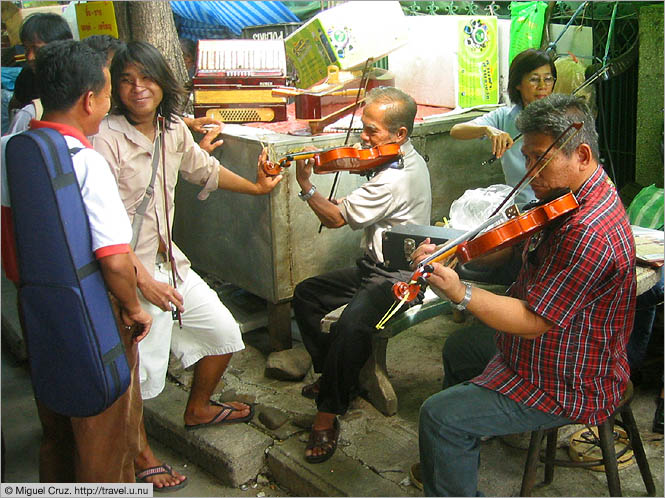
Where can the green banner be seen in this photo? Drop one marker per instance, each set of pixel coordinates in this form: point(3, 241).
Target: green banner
point(478, 61)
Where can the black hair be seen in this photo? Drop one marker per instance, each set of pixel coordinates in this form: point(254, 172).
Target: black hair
point(25, 87)
point(522, 64)
point(188, 47)
point(45, 26)
point(401, 111)
point(554, 114)
point(66, 70)
point(152, 63)
point(103, 43)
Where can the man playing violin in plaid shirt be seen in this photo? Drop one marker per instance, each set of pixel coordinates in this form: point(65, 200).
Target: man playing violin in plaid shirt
point(561, 331)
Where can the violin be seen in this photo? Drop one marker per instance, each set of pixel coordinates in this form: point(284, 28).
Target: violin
point(517, 229)
point(343, 158)
point(505, 235)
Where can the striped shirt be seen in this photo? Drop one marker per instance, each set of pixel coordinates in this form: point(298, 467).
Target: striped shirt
point(580, 275)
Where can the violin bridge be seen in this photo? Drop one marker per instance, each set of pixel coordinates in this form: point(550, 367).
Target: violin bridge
point(512, 212)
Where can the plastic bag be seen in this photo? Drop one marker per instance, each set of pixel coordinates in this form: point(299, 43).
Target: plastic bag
point(570, 76)
point(526, 26)
point(475, 206)
point(646, 210)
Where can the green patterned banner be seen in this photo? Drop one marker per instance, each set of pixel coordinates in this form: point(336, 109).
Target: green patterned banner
point(478, 61)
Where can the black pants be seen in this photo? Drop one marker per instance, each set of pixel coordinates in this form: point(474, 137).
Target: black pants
point(466, 353)
point(340, 355)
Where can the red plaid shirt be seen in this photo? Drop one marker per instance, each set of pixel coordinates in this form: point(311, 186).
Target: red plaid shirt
point(580, 275)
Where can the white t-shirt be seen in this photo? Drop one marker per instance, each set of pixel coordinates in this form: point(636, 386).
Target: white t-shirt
point(109, 223)
point(394, 196)
point(110, 228)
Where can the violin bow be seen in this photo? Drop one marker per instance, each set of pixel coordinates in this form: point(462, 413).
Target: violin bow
point(162, 122)
point(362, 90)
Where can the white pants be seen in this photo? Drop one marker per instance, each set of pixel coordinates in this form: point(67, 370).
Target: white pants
point(208, 329)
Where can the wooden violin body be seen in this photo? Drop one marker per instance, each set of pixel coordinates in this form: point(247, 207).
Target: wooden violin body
point(355, 160)
point(505, 235)
point(517, 229)
point(336, 159)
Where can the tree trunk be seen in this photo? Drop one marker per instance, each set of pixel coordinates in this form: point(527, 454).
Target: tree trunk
point(152, 22)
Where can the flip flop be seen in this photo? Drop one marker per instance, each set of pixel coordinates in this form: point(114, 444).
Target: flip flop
point(415, 476)
point(223, 416)
point(160, 469)
point(325, 439)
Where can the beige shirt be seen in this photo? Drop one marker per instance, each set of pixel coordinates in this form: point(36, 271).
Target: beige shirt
point(129, 153)
point(394, 196)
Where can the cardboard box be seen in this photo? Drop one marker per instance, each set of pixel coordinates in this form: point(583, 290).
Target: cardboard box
point(13, 17)
point(346, 36)
point(449, 61)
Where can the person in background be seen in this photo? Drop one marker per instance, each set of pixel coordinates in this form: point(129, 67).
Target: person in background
point(531, 77)
point(36, 31)
point(105, 44)
point(145, 89)
point(188, 48)
point(562, 330)
point(396, 193)
point(75, 87)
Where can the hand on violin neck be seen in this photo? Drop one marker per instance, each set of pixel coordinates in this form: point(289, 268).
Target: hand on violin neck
point(304, 172)
point(424, 249)
point(446, 280)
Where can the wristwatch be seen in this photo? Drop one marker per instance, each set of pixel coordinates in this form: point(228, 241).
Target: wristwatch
point(465, 300)
point(307, 196)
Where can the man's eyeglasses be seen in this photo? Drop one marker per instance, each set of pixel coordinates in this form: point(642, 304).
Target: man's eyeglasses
point(536, 80)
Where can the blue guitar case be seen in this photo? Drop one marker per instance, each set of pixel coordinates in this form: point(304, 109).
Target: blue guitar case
point(77, 358)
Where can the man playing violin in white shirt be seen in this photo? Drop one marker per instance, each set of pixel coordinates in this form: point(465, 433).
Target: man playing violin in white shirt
point(396, 193)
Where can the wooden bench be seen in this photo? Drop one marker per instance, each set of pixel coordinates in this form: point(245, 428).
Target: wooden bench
point(374, 375)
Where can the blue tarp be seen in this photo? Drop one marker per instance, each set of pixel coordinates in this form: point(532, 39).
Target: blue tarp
point(211, 19)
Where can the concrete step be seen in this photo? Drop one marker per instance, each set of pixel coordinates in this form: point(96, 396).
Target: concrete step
point(330, 478)
point(234, 453)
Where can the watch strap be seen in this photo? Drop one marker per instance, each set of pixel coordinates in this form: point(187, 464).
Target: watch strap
point(465, 300)
point(305, 196)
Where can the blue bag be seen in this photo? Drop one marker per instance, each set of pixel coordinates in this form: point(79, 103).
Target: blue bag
point(77, 358)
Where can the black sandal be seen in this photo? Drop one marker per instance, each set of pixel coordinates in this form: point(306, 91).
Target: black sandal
point(326, 439)
point(311, 391)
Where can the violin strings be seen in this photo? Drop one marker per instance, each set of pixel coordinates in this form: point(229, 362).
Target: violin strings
point(394, 308)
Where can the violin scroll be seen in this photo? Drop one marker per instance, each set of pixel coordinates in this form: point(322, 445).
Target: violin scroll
point(271, 168)
point(404, 291)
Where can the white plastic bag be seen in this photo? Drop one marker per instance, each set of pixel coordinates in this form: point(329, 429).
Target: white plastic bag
point(476, 205)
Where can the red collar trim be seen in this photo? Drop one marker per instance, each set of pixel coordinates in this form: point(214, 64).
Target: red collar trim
point(63, 129)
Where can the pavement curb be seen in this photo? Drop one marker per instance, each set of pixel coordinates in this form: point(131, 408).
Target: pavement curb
point(330, 478)
point(234, 453)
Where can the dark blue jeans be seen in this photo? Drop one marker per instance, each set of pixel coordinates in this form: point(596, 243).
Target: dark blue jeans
point(451, 425)
point(645, 312)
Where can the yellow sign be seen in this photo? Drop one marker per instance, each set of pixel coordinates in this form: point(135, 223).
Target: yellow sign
point(96, 18)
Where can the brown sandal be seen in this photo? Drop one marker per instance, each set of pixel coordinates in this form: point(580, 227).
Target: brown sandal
point(326, 439)
point(311, 391)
